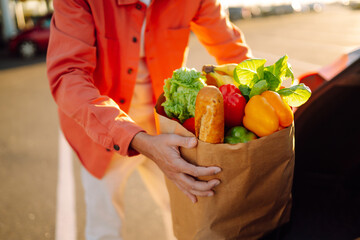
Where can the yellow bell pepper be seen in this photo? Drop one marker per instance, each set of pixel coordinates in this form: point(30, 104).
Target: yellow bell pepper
point(265, 113)
point(260, 117)
point(282, 109)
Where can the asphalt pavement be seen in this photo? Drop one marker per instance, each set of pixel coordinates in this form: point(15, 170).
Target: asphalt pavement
point(29, 129)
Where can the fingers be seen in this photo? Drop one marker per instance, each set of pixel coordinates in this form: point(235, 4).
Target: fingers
point(190, 142)
point(199, 188)
point(193, 189)
point(196, 171)
point(184, 174)
point(187, 142)
point(191, 196)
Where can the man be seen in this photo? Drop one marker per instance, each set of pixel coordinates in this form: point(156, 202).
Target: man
point(107, 61)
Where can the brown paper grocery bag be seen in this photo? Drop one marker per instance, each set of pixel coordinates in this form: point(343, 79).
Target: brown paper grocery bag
point(254, 196)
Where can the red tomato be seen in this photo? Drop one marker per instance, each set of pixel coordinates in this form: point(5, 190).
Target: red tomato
point(175, 119)
point(189, 124)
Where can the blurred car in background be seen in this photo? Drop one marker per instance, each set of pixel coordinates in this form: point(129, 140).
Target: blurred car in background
point(354, 4)
point(268, 8)
point(307, 5)
point(238, 11)
point(32, 41)
point(243, 9)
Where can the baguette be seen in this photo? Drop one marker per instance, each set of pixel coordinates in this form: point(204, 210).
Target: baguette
point(209, 115)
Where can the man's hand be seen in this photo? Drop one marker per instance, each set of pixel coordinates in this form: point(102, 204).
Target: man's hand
point(164, 151)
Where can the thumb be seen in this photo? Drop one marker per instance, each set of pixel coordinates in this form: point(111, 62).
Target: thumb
point(186, 142)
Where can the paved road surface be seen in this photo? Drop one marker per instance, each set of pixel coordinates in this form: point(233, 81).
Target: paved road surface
point(29, 126)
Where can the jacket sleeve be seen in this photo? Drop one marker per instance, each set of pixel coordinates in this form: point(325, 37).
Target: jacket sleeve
point(71, 60)
point(221, 38)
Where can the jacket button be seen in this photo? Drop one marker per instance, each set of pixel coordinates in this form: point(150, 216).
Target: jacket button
point(116, 147)
point(108, 150)
point(134, 39)
point(122, 100)
point(130, 70)
point(138, 6)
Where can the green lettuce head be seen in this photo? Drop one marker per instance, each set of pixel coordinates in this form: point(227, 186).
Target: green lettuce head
point(180, 92)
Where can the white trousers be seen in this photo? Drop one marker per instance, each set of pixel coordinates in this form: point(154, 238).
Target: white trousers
point(104, 198)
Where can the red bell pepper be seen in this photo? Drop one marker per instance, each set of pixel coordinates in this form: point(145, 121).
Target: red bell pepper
point(234, 104)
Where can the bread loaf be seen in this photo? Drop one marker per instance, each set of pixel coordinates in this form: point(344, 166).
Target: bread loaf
point(209, 115)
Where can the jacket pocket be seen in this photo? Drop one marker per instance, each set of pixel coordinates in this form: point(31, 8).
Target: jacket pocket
point(179, 36)
point(176, 42)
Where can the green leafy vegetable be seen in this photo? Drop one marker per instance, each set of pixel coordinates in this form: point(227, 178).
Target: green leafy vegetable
point(281, 69)
point(254, 78)
point(180, 92)
point(295, 95)
point(259, 88)
point(249, 71)
point(273, 82)
point(245, 91)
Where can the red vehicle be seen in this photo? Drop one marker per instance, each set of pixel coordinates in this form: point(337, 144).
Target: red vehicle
point(30, 42)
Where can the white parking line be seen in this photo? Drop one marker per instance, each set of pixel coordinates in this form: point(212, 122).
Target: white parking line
point(65, 209)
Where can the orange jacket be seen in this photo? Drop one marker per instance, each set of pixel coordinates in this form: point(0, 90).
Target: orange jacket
point(93, 56)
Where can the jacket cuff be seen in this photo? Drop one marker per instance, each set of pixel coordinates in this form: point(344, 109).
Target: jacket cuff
point(122, 135)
